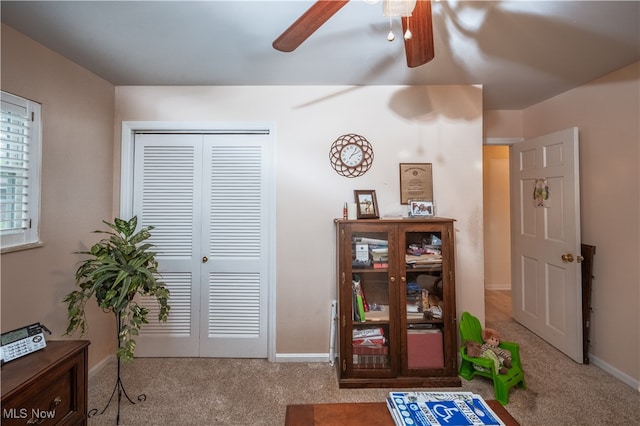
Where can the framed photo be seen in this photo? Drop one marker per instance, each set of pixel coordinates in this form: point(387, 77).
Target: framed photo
point(420, 208)
point(416, 182)
point(367, 204)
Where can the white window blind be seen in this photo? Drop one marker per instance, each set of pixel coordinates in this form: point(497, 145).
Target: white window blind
point(20, 147)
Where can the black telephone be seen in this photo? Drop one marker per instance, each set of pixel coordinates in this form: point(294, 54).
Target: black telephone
point(22, 341)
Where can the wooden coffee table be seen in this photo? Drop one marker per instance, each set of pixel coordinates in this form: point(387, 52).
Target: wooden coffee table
point(360, 414)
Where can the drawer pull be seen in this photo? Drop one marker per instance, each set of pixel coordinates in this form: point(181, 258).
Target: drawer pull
point(39, 419)
point(35, 421)
point(56, 402)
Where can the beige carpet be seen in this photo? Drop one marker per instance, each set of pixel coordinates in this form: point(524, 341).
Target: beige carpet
point(229, 392)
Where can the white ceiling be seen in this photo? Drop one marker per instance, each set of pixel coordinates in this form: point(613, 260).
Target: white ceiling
point(521, 51)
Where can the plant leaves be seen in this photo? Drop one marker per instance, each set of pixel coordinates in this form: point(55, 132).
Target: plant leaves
point(117, 268)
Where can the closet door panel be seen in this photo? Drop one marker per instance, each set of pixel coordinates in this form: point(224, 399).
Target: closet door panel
point(167, 187)
point(233, 312)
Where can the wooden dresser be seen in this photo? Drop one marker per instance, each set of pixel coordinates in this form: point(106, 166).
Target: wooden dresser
point(47, 387)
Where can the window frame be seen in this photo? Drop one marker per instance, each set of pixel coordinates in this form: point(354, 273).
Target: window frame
point(27, 238)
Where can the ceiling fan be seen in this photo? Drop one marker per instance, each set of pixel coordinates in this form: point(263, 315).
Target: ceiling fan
point(418, 48)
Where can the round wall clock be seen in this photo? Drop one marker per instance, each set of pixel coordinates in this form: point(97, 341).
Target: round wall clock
point(351, 155)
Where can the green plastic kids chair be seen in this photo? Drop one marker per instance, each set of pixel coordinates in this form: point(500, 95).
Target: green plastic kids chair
point(470, 329)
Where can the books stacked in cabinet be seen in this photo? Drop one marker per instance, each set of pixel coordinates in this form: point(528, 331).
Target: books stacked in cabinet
point(396, 281)
point(370, 348)
point(440, 408)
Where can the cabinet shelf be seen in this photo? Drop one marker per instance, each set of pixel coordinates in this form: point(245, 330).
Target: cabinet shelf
point(409, 349)
point(424, 321)
point(370, 270)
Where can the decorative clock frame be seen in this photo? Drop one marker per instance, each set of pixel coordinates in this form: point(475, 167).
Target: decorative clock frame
point(351, 155)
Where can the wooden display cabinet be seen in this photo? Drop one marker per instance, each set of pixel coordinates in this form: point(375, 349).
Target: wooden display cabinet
point(397, 306)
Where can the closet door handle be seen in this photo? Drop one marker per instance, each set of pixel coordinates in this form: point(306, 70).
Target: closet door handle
point(205, 259)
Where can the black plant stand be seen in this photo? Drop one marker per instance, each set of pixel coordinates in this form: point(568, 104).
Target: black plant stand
point(119, 387)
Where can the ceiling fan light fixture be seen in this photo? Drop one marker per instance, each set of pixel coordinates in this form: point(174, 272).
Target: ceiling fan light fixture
point(398, 7)
point(390, 36)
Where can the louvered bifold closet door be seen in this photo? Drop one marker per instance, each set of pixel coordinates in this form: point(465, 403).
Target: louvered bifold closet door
point(167, 195)
point(234, 292)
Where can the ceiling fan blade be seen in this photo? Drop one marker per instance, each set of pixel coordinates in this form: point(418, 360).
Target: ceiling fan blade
point(307, 24)
point(419, 48)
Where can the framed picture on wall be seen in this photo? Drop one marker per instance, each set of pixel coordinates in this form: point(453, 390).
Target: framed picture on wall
point(416, 182)
point(367, 204)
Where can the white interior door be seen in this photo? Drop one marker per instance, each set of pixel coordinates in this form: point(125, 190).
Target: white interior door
point(546, 282)
point(207, 197)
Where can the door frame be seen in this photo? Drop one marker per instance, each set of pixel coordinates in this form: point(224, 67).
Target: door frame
point(130, 128)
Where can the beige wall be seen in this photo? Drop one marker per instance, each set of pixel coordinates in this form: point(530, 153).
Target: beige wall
point(437, 124)
point(502, 124)
point(606, 112)
point(77, 171)
point(497, 220)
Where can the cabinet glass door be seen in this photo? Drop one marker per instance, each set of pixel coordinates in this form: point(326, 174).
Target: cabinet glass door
point(372, 306)
point(422, 300)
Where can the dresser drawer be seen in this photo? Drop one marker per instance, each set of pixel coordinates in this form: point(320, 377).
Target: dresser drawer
point(53, 396)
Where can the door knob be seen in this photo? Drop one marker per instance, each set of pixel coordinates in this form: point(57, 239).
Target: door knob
point(205, 259)
point(567, 258)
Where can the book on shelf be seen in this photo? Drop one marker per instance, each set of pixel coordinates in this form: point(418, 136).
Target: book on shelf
point(425, 348)
point(378, 313)
point(440, 408)
point(423, 259)
point(358, 302)
point(378, 255)
point(371, 349)
point(370, 361)
point(368, 336)
point(369, 341)
point(372, 241)
point(413, 308)
point(359, 333)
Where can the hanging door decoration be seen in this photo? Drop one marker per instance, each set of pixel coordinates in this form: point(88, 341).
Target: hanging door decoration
point(541, 193)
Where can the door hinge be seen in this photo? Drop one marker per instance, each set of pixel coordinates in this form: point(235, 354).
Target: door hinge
point(33, 116)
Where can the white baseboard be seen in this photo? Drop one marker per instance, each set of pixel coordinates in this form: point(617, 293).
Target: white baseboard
point(497, 286)
point(625, 378)
point(99, 366)
point(321, 357)
point(311, 357)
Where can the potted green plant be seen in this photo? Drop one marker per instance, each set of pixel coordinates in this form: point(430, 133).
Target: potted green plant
point(119, 267)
